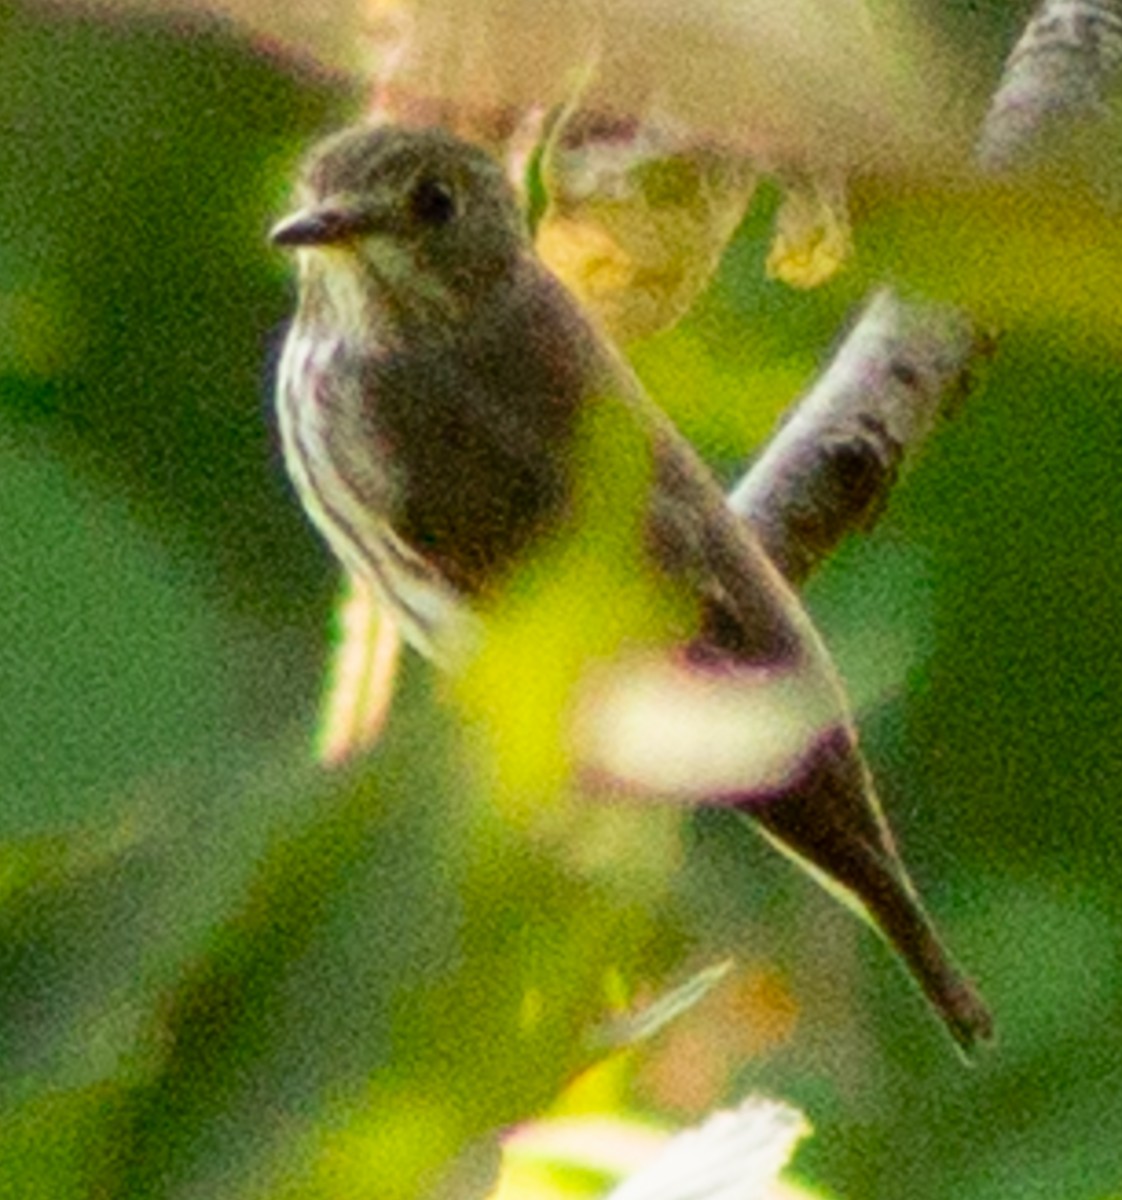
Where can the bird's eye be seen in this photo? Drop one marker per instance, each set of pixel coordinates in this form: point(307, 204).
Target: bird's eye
point(432, 202)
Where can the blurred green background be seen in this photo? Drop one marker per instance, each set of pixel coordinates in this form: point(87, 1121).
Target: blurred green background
point(217, 968)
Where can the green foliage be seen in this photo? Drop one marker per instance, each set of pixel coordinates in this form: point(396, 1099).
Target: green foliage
point(223, 973)
point(518, 697)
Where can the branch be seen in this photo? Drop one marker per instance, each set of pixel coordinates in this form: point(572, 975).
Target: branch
point(829, 469)
point(1062, 69)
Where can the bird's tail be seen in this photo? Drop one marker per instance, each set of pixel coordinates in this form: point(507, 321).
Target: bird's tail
point(829, 820)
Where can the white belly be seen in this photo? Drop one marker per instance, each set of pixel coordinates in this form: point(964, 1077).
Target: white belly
point(323, 442)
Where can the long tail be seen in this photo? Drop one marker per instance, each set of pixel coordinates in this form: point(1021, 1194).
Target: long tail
point(830, 822)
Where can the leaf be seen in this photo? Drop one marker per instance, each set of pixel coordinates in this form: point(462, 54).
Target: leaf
point(366, 978)
point(666, 1009)
point(589, 597)
point(813, 239)
point(1041, 250)
point(638, 220)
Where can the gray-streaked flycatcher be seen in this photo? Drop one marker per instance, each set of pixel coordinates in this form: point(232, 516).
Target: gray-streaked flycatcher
point(432, 389)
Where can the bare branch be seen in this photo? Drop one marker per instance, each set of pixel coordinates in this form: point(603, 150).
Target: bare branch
point(829, 470)
point(1063, 68)
point(830, 467)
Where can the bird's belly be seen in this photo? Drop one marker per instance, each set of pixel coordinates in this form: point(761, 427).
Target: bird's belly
point(339, 481)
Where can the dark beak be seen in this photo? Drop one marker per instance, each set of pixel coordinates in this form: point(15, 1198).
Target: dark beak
point(320, 227)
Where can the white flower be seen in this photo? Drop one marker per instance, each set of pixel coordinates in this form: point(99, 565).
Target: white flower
point(733, 1155)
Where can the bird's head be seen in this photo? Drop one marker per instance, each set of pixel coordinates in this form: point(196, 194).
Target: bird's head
point(413, 217)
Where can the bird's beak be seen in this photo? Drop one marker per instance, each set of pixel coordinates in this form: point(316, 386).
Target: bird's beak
point(326, 226)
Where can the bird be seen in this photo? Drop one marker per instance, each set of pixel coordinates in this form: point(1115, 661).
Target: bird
point(432, 390)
